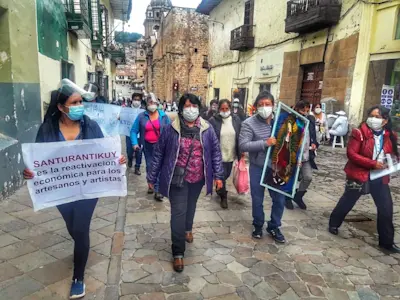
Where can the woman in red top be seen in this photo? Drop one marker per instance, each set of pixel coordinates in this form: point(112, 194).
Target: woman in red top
point(366, 151)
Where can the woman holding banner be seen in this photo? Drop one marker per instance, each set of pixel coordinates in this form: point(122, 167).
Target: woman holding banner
point(255, 138)
point(366, 152)
point(65, 121)
point(149, 125)
point(188, 156)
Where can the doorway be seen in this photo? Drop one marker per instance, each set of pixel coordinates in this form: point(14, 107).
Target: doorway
point(313, 79)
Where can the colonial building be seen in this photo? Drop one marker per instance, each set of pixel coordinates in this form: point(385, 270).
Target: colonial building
point(177, 52)
point(130, 77)
point(303, 49)
point(42, 42)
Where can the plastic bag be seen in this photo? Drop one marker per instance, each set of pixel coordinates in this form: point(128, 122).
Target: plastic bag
point(241, 177)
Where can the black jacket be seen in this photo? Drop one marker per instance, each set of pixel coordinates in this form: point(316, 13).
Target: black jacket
point(313, 140)
point(49, 131)
point(216, 122)
point(240, 113)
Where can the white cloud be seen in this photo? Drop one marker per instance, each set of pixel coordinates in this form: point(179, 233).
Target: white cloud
point(139, 7)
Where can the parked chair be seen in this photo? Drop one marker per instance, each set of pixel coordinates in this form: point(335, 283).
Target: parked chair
point(336, 143)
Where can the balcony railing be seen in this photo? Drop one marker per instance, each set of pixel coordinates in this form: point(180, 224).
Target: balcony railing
point(117, 53)
point(242, 38)
point(77, 13)
point(305, 16)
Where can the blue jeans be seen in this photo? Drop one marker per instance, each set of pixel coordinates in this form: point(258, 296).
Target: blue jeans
point(257, 199)
point(130, 152)
point(148, 155)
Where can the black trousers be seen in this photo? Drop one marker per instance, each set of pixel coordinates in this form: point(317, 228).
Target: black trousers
point(183, 207)
point(77, 216)
point(383, 200)
point(227, 173)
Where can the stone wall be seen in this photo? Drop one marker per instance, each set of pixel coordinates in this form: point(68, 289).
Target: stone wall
point(339, 58)
point(179, 54)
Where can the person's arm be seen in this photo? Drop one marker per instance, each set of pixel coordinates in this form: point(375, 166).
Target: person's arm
point(325, 125)
point(313, 132)
point(218, 169)
point(158, 156)
point(353, 150)
point(135, 131)
point(40, 135)
point(246, 143)
point(336, 124)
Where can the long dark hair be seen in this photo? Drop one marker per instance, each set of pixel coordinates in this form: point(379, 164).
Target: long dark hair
point(385, 113)
point(222, 101)
point(59, 96)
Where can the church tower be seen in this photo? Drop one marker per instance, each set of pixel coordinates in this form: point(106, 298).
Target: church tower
point(154, 14)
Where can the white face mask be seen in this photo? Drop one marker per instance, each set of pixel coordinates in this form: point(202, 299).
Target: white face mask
point(190, 114)
point(318, 111)
point(136, 104)
point(225, 114)
point(152, 107)
point(375, 123)
point(235, 104)
point(265, 111)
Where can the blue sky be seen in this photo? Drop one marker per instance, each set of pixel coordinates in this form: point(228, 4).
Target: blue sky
point(139, 9)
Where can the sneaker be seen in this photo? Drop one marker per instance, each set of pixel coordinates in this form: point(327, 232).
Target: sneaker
point(77, 290)
point(277, 235)
point(129, 163)
point(257, 233)
point(158, 197)
point(137, 171)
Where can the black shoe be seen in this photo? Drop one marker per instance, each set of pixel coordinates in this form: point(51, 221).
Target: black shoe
point(129, 163)
point(277, 235)
point(393, 248)
point(298, 199)
point(150, 191)
point(224, 201)
point(137, 171)
point(289, 203)
point(158, 197)
point(257, 233)
point(333, 230)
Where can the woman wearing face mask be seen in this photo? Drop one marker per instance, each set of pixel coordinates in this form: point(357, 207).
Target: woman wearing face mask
point(321, 123)
point(227, 128)
point(149, 126)
point(255, 138)
point(366, 151)
point(188, 156)
point(238, 110)
point(65, 121)
point(136, 105)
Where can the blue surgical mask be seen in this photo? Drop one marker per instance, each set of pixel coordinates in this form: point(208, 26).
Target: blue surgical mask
point(75, 112)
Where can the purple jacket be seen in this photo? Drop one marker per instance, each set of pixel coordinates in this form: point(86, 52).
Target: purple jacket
point(166, 153)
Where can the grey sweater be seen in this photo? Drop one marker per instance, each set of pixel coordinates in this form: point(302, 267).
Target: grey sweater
point(255, 131)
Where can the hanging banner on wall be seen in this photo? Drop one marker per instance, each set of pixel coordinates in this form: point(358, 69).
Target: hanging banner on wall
point(75, 170)
point(387, 95)
point(283, 161)
point(106, 115)
point(127, 117)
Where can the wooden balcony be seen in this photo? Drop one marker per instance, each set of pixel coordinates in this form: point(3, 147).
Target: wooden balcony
point(117, 54)
point(77, 13)
point(304, 16)
point(242, 38)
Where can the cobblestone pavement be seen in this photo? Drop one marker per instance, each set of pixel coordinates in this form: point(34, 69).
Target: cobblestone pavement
point(224, 262)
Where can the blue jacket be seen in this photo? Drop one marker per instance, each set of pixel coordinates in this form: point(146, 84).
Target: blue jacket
point(139, 126)
point(49, 131)
point(165, 155)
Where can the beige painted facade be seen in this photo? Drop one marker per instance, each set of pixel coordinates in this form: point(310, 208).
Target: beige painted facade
point(263, 65)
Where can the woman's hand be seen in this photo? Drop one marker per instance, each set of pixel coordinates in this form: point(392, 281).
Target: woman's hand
point(28, 174)
point(218, 184)
point(122, 160)
point(136, 148)
point(379, 166)
point(271, 141)
point(151, 186)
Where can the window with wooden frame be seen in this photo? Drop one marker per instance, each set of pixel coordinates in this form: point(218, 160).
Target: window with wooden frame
point(249, 12)
point(105, 24)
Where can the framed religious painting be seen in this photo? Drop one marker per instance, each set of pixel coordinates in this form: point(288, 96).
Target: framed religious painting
point(283, 161)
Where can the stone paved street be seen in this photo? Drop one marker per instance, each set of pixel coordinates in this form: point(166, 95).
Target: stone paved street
point(224, 262)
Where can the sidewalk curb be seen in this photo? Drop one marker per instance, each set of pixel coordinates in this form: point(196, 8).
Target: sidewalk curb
point(114, 267)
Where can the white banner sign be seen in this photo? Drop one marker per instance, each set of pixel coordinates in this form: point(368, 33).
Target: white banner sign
point(106, 115)
point(127, 118)
point(387, 95)
point(74, 170)
point(392, 166)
